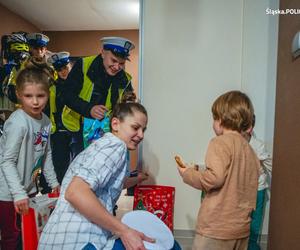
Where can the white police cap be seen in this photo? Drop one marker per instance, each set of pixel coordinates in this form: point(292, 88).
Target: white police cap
point(118, 45)
point(59, 59)
point(37, 39)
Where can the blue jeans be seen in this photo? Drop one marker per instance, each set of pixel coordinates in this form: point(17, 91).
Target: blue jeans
point(119, 245)
point(89, 246)
point(257, 220)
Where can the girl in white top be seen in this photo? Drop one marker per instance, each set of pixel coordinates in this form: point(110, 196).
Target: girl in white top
point(83, 218)
point(24, 150)
point(257, 215)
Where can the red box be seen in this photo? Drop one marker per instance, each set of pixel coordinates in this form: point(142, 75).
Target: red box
point(156, 199)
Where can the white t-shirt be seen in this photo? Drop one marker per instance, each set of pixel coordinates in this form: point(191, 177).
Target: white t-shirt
point(265, 159)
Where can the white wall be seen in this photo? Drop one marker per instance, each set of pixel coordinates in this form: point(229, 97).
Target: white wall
point(193, 51)
point(259, 62)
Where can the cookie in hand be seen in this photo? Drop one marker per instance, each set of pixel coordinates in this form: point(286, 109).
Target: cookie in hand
point(179, 161)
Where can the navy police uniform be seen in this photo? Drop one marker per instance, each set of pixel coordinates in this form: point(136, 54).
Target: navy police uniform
point(60, 136)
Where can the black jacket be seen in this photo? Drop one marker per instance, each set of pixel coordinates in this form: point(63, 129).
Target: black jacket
point(101, 80)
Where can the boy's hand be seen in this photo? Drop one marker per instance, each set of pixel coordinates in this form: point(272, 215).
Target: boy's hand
point(22, 206)
point(181, 170)
point(182, 166)
point(179, 161)
point(196, 166)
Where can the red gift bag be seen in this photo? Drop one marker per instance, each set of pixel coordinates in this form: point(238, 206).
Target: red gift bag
point(40, 208)
point(156, 199)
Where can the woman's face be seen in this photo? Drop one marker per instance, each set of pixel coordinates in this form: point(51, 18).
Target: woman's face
point(131, 129)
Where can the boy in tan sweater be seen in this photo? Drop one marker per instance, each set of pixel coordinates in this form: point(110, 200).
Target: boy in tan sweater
point(230, 179)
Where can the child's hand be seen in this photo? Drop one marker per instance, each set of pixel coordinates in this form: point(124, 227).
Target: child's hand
point(196, 166)
point(182, 166)
point(56, 189)
point(22, 206)
point(179, 161)
point(181, 170)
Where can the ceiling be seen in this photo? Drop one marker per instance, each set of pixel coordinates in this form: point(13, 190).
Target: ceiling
point(67, 15)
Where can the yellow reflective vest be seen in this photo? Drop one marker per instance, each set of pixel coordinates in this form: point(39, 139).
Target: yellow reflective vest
point(71, 119)
point(52, 103)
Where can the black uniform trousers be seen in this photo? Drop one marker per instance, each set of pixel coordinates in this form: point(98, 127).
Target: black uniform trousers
point(61, 157)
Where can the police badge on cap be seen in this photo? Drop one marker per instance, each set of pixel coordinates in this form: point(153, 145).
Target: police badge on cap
point(37, 40)
point(59, 59)
point(118, 45)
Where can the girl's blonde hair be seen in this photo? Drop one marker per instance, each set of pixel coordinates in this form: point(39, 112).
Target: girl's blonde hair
point(234, 110)
point(36, 72)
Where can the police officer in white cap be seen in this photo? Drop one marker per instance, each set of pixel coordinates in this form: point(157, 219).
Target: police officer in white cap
point(38, 43)
point(61, 63)
point(95, 84)
point(60, 136)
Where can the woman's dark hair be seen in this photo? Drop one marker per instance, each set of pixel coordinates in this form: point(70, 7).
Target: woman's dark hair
point(122, 110)
point(128, 96)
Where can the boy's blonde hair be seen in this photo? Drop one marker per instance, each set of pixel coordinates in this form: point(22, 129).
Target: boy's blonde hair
point(234, 110)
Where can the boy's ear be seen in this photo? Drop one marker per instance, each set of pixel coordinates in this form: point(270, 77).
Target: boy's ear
point(249, 130)
point(115, 124)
